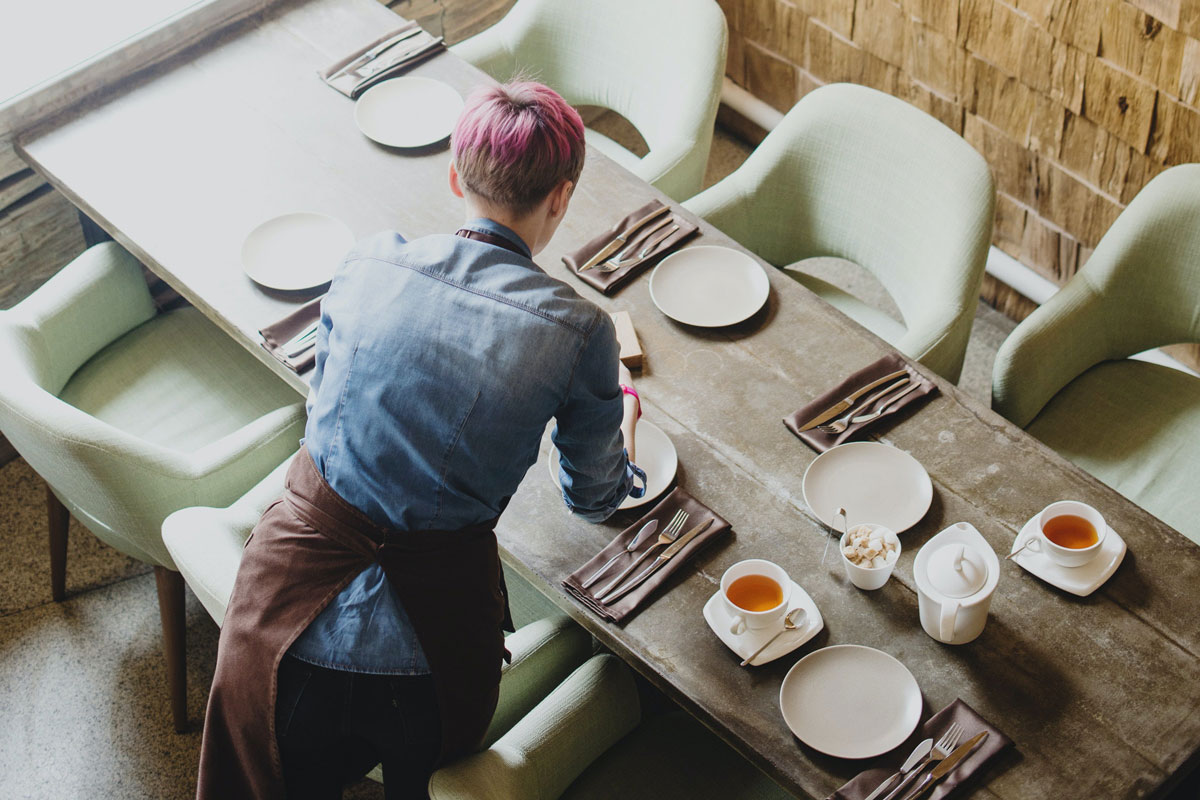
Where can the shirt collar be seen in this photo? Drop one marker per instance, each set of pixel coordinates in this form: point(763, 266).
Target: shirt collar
point(485, 225)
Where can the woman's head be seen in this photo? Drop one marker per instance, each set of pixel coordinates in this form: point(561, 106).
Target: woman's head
point(515, 143)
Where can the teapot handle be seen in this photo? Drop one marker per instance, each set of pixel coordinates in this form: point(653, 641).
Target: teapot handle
point(949, 616)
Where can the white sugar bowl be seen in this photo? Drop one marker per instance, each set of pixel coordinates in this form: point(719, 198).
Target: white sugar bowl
point(956, 573)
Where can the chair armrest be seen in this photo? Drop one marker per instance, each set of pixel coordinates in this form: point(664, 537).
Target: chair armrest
point(257, 447)
point(539, 758)
point(488, 51)
point(544, 653)
point(91, 302)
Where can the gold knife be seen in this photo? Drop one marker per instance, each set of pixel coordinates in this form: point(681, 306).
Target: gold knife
point(947, 764)
point(838, 408)
point(619, 242)
point(666, 556)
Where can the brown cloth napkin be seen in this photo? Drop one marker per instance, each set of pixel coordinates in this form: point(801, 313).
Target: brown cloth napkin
point(387, 64)
point(865, 782)
point(610, 282)
point(277, 333)
point(888, 364)
point(630, 603)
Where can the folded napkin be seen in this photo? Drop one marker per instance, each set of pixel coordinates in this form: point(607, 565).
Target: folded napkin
point(627, 605)
point(278, 333)
point(865, 782)
point(382, 64)
point(888, 364)
point(609, 282)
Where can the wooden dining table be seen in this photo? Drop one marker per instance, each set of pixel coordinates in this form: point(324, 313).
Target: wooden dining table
point(1100, 694)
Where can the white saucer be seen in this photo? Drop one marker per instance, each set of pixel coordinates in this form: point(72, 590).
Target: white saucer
point(876, 484)
point(296, 251)
point(408, 112)
point(709, 286)
point(716, 614)
point(1076, 580)
point(850, 701)
point(655, 454)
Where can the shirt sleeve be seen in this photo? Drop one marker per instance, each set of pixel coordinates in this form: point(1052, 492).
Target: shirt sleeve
point(593, 466)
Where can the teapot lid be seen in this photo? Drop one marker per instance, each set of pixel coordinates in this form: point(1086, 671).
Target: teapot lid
point(957, 570)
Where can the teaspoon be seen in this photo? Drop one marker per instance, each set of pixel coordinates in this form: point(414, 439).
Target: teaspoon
point(790, 623)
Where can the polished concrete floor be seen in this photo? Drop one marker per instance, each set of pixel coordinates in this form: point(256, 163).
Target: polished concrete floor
point(83, 703)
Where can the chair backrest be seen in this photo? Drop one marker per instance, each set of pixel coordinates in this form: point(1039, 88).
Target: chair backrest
point(111, 481)
point(1139, 290)
point(658, 63)
point(858, 174)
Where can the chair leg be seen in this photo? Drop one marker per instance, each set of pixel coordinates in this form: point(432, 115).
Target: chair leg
point(59, 519)
point(171, 609)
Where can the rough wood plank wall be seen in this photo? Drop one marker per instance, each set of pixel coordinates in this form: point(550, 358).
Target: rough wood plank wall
point(1076, 104)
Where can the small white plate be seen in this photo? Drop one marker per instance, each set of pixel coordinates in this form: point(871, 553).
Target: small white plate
point(1076, 580)
point(709, 286)
point(296, 251)
point(876, 484)
point(655, 454)
point(408, 112)
point(716, 614)
point(850, 701)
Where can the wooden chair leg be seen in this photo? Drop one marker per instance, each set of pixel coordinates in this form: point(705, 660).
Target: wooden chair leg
point(171, 609)
point(59, 519)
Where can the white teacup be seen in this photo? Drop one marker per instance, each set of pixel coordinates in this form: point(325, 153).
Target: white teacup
point(1067, 556)
point(741, 618)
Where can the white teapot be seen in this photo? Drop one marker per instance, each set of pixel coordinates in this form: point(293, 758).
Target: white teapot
point(956, 573)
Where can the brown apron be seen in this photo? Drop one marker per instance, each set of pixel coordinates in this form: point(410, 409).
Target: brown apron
point(306, 548)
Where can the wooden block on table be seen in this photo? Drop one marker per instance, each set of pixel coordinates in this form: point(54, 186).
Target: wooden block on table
point(631, 349)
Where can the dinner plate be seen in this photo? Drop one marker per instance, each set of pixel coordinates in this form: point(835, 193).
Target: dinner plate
point(716, 614)
point(408, 112)
point(1081, 580)
point(709, 286)
point(850, 701)
point(876, 483)
point(296, 251)
point(655, 454)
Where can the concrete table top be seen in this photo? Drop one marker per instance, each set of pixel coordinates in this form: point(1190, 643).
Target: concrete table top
point(1100, 694)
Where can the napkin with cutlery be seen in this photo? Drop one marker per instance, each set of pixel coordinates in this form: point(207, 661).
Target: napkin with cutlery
point(646, 245)
point(890, 402)
point(277, 335)
point(628, 604)
point(865, 782)
point(384, 58)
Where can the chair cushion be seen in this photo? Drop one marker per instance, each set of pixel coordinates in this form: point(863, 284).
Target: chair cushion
point(176, 381)
point(611, 149)
point(1135, 426)
point(672, 756)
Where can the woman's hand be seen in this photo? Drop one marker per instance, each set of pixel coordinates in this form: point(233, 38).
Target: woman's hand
point(632, 412)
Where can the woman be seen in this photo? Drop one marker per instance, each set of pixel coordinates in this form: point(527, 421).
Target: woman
point(372, 590)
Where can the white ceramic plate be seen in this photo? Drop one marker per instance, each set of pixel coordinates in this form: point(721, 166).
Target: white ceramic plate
point(1076, 580)
point(875, 483)
point(655, 454)
point(296, 251)
point(709, 286)
point(408, 112)
point(716, 614)
point(850, 701)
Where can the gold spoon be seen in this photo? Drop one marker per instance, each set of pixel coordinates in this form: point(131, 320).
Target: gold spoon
point(790, 623)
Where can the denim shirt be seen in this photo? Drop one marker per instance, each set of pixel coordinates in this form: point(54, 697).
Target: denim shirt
point(439, 363)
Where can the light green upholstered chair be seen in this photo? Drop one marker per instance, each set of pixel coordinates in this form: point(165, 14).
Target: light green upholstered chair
point(1064, 374)
point(658, 63)
point(129, 415)
point(584, 742)
point(860, 175)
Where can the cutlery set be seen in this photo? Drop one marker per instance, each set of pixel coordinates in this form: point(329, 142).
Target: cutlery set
point(670, 537)
point(943, 757)
point(850, 403)
point(612, 250)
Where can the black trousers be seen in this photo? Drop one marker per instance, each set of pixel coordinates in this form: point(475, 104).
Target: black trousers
point(333, 727)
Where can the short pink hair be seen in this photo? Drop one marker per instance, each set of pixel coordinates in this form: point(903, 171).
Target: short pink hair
point(515, 142)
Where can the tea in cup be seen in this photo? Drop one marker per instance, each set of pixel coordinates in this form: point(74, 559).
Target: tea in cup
point(756, 594)
point(1069, 533)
